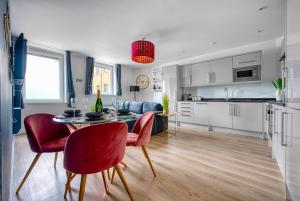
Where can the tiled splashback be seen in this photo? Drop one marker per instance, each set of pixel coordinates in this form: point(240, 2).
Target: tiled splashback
point(243, 90)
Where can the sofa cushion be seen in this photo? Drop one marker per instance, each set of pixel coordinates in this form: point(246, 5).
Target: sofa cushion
point(124, 105)
point(151, 106)
point(136, 107)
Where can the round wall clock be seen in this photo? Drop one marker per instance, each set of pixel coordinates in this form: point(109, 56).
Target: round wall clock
point(142, 81)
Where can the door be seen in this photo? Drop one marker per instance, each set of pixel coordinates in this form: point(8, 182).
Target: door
point(221, 71)
point(186, 75)
point(220, 114)
point(201, 74)
point(292, 141)
point(201, 113)
point(248, 117)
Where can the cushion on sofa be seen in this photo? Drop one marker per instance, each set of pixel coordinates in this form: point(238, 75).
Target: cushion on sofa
point(151, 106)
point(124, 105)
point(136, 107)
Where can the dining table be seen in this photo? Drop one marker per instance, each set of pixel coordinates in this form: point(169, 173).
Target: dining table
point(75, 123)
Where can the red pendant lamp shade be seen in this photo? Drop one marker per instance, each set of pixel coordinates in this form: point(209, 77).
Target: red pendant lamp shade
point(142, 51)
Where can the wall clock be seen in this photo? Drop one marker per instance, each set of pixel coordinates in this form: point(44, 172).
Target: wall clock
point(142, 81)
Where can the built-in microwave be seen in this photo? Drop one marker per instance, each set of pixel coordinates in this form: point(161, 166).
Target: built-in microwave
point(246, 74)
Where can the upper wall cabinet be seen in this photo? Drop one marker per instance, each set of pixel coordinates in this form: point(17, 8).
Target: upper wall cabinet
point(221, 71)
point(201, 74)
point(250, 59)
point(186, 75)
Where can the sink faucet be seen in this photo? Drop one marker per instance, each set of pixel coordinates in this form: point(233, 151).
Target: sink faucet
point(226, 93)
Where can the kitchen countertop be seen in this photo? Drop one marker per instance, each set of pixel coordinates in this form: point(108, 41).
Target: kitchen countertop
point(251, 100)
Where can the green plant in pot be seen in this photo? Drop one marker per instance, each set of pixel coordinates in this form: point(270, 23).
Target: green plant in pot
point(165, 103)
point(278, 84)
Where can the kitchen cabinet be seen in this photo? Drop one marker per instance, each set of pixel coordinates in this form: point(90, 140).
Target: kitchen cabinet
point(248, 116)
point(220, 114)
point(291, 140)
point(186, 75)
point(185, 112)
point(221, 71)
point(201, 74)
point(250, 59)
point(201, 113)
point(171, 87)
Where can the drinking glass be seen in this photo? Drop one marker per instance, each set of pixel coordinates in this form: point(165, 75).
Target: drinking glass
point(85, 102)
point(73, 105)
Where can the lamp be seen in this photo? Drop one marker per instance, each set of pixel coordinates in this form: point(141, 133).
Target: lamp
point(142, 51)
point(134, 89)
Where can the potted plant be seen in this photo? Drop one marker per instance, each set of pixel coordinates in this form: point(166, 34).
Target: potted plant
point(278, 86)
point(165, 103)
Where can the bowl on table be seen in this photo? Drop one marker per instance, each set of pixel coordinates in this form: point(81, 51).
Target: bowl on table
point(70, 113)
point(94, 115)
point(123, 111)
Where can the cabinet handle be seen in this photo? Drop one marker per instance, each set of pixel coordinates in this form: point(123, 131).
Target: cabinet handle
point(283, 129)
point(235, 110)
point(186, 111)
point(185, 115)
point(190, 79)
point(267, 111)
point(230, 109)
point(275, 121)
point(245, 62)
point(201, 103)
point(186, 108)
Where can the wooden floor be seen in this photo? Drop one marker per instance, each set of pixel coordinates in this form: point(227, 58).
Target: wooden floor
point(193, 165)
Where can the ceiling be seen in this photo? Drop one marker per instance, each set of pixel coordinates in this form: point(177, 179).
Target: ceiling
point(104, 29)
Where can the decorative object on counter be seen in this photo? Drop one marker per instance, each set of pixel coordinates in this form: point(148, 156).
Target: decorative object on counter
point(98, 105)
point(142, 81)
point(165, 103)
point(142, 51)
point(278, 86)
point(134, 89)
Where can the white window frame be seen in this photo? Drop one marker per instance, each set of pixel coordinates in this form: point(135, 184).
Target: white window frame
point(112, 77)
point(53, 55)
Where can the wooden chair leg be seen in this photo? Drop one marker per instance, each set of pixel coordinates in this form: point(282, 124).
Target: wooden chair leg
point(148, 158)
point(55, 159)
point(36, 158)
point(108, 173)
point(105, 182)
point(113, 175)
point(119, 171)
point(82, 187)
point(67, 186)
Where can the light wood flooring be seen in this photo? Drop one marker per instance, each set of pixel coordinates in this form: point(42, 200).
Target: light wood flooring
point(193, 165)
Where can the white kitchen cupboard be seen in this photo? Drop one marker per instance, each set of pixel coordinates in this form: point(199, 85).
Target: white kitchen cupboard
point(248, 116)
point(185, 112)
point(220, 114)
point(291, 139)
point(278, 147)
point(201, 74)
point(171, 86)
point(201, 113)
point(186, 75)
point(249, 59)
point(221, 71)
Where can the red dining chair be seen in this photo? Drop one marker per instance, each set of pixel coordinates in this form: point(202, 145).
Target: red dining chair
point(44, 136)
point(95, 149)
point(140, 136)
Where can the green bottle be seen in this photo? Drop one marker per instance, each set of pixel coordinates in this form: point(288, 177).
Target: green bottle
point(99, 105)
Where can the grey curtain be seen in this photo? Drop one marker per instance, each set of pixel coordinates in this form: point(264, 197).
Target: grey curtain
point(89, 75)
point(70, 86)
point(118, 79)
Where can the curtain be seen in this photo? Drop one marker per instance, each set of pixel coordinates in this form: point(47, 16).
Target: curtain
point(89, 75)
point(118, 79)
point(70, 86)
point(19, 65)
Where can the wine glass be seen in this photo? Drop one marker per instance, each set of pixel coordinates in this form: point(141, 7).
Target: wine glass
point(73, 105)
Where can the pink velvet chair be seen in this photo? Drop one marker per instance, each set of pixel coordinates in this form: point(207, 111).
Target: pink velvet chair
point(44, 136)
point(95, 149)
point(140, 136)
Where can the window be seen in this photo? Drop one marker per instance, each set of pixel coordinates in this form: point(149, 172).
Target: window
point(44, 76)
point(103, 79)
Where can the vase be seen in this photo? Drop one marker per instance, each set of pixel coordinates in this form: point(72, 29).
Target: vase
point(166, 110)
point(279, 95)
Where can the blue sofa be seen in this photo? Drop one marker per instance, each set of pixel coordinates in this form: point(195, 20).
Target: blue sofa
point(140, 108)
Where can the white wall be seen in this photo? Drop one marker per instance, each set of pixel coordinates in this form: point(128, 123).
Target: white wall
point(78, 71)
